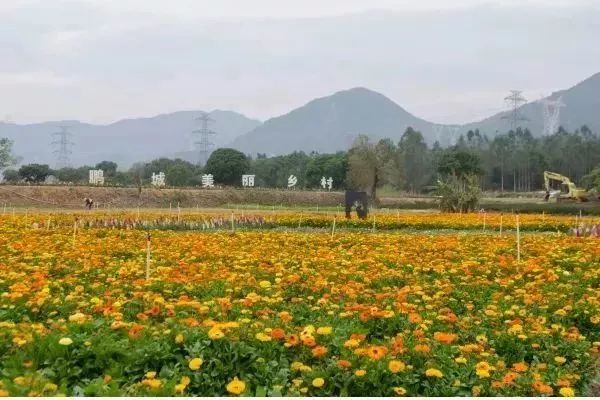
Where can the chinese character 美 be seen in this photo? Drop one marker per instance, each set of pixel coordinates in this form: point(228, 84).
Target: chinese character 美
point(208, 181)
point(158, 180)
point(248, 180)
point(96, 177)
point(292, 181)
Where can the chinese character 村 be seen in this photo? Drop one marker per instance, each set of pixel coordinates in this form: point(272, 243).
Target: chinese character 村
point(248, 180)
point(96, 177)
point(208, 181)
point(158, 180)
point(327, 183)
point(292, 181)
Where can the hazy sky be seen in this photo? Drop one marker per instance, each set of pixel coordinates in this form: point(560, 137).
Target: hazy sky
point(446, 61)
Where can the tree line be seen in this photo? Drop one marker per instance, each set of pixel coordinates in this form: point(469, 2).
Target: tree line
point(513, 161)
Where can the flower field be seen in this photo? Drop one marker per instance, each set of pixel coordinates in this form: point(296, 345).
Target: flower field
point(296, 312)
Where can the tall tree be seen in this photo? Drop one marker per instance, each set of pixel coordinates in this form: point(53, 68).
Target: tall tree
point(227, 166)
point(367, 163)
point(413, 161)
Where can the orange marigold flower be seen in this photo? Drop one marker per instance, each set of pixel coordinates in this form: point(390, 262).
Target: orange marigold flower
point(520, 367)
point(277, 333)
point(319, 351)
point(542, 388)
point(422, 348)
point(445, 338)
point(376, 352)
point(344, 363)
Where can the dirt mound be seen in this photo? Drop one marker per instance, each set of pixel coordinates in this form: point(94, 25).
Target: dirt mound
point(72, 197)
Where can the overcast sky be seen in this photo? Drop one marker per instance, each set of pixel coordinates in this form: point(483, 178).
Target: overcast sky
point(445, 61)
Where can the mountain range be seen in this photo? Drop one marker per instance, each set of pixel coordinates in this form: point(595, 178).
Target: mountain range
point(325, 124)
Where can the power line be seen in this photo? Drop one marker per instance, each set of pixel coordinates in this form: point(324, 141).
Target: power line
point(203, 145)
point(515, 99)
point(62, 146)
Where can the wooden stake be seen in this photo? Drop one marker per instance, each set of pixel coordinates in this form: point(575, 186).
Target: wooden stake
point(178, 213)
point(333, 228)
point(232, 225)
point(300, 221)
point(373, 229)
point(74, 232)
point(501, 217)
point(484, 214)
point(48, 224)
point(518, 241)
point(148, 256)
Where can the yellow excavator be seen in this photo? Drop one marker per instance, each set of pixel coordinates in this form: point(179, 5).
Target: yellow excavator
point(568, 189)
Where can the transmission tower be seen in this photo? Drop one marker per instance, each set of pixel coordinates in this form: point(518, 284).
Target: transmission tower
point(514, 100)
point(551, 112)
point(62, 146)
point(203, 145)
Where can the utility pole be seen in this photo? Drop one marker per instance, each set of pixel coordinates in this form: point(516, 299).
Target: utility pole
point(62, 146)
point(203, 144)
point(515, 99)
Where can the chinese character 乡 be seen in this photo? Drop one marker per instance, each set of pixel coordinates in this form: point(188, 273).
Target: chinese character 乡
point(248, 180)
point(292, 181)
point(208, 180)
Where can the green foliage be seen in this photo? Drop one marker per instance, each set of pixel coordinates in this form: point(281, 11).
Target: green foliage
point(227, 166)
point(591, 181)
point(109, 168)
point(6, 157)
point(459, 163)
point(11, 175)
point(34, 173)
point(369, 163)
point(413, 162)
point(458, 194)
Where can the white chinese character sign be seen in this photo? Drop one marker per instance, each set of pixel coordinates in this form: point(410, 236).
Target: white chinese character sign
point(96, 177)
point(292, 181)
point(158, 180)
point(248, 180)
point(208, 181)
point(327, 183)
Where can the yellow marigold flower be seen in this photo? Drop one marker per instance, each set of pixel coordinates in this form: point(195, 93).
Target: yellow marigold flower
point(566, 392)
point(49, 387)
point(360, 372)
point(215, 333)
point(4, 393)
point(236, 386)
point(78, 318)
point(151, 374)
point(351, 343)
point(264, 284)
point(318, 382)
point(434, 373)
point(399, 390)
point(65, 341)
point(263, 337)
point(324, 330)
point(396, 366)
point(297, 365)
point(20, 380)
point(152, 383)
point(482, 373)
point(195, 364)
point(560, 360)
point(179, 338)
point(460, 360)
